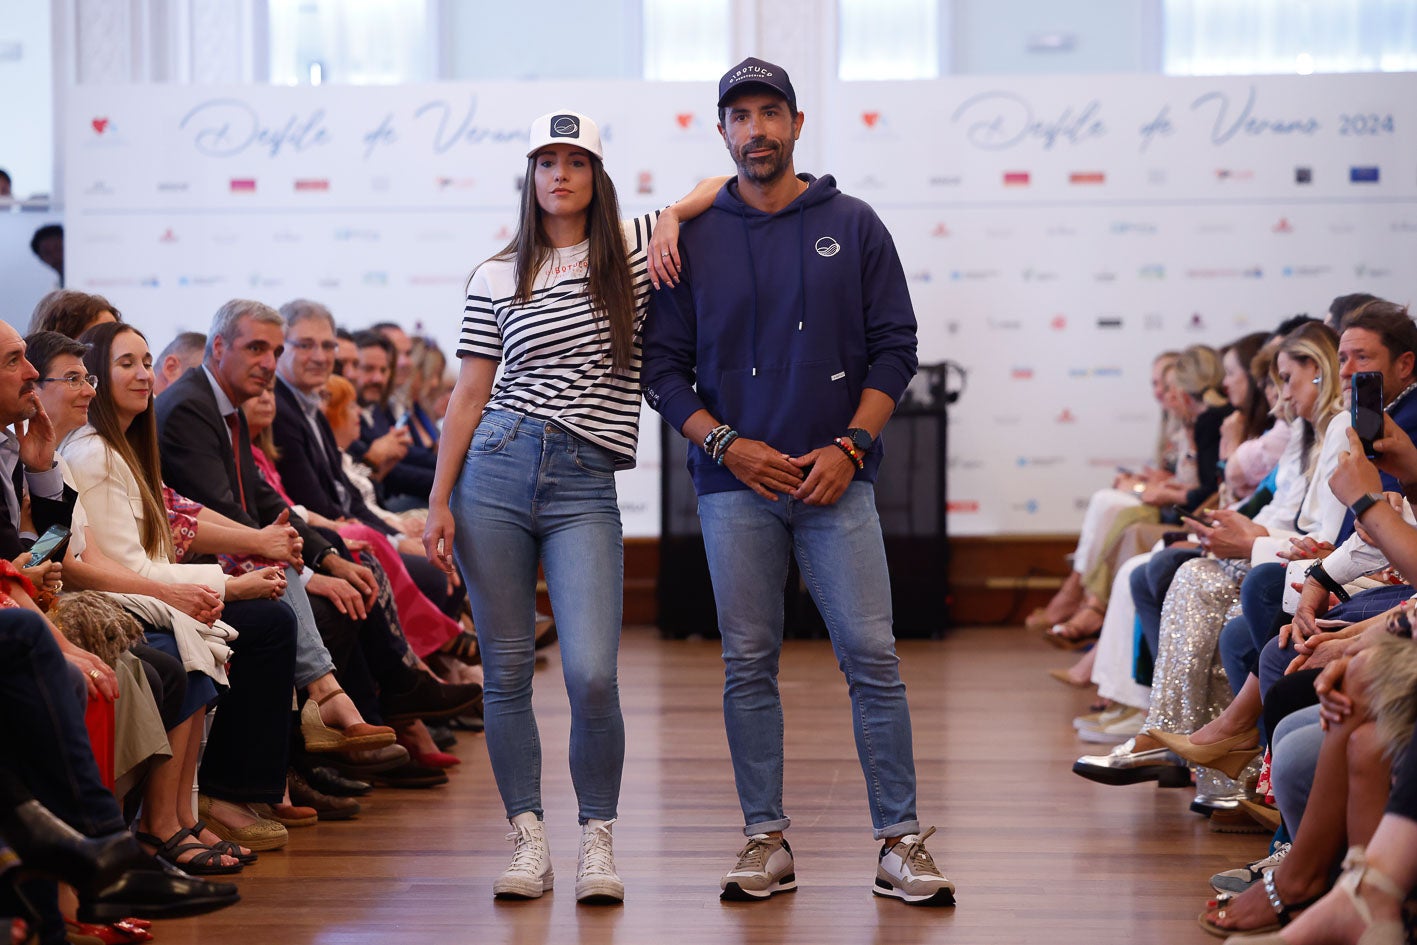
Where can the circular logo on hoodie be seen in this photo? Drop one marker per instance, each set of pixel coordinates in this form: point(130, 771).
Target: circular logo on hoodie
point(826, 246)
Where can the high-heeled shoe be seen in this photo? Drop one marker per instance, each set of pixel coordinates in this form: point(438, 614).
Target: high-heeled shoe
point(112, 875)
point(1356, 874)
point(320, 737)
point(1230, 755)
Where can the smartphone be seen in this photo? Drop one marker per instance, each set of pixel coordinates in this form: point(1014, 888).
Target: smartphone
point(50, 546)
point(1181, 513)
point(402, 423)
point(1366, 405)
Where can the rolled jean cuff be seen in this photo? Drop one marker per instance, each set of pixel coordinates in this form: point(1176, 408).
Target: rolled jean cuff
point(903, 829)
point(767, 826)
point(305, 675)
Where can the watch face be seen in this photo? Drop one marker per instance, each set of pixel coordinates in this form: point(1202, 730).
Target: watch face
point(860, 439)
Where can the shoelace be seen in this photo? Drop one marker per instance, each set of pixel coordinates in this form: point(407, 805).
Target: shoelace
point(1280, 852)
point(528, 852)
point(755, 855)
point(916, 857)
point(597, 853)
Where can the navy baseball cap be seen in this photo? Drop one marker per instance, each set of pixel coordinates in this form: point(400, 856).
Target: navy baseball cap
point(751, 72)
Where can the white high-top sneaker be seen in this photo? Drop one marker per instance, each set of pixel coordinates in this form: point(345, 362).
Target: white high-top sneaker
point(530, 873)
point(596, 880)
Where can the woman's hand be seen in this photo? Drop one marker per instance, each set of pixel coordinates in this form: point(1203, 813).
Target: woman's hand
point(279, 541)
point(1305, 548)
point(99, 677)
point(663, 249)
point(1230, 534)
point(265, 584)
point(438, 536)
point(195, 600)
point(1334, 706)
point(46, 576)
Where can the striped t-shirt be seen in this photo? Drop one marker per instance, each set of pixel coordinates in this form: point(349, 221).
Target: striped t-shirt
point(555, 351)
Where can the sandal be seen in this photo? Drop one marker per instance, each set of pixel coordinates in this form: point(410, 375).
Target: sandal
point(463, 648)
point(206, 863)
point(1284, 912)
point(1067, 635)
point(226, 847)
point(320, 737)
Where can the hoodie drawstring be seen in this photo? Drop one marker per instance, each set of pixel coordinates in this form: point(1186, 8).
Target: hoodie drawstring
point(753, 279)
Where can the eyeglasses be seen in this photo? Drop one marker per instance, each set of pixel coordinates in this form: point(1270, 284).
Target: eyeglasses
point(306, 345)
point(72, 381)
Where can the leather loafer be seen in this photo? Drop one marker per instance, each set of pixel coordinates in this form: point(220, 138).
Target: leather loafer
point(1127, 766)
point(325, 806)
point(412, 775)
point(161, 892)
point(430, 699)
point(330, 782)
point(364, 764)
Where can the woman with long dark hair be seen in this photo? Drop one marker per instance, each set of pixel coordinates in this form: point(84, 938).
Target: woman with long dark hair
point(526, 470)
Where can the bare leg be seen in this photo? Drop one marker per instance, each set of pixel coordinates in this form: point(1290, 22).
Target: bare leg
point(1081, 672)
point(339, 712)
point(169, 788)
point(185, 813)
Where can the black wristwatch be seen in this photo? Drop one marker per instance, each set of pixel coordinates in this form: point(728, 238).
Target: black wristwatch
point(1317, 572)
point(1364, 503)
point(860, 439)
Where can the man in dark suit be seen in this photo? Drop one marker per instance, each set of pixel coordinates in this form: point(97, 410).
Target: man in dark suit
point(206, 454)
point(310, 464)
point(26, 453)
point(405, 471)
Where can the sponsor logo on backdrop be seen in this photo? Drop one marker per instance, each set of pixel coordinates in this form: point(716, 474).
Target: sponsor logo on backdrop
point(869, 182)
point(974, 275)
point(684, 120)
point(1021, 374)
point(1225, 272)
point(1365, 271)
point(173, 186)
point(259, 280)
point(1104, 371)
point(312, 184)
point(946, 180)
point(1104, 276)
point(100, 126)
point(1060, 230)
point(98, 189)
point(1404, 226)
point(871, 119)
point(962, 506)
point(960, 462)
point(998, 233)
point(1215, 229)
point(1039, 275)
point(1066, 417)
point(827, 247)
point(95, 239)
point(1152, 271)
point(1153, 322)
point(644, 182)
point(109, 282)
point(168, 236)
point(1134, 417)
point(1341, 229)
point(200, 281)
point(1241, 320)
point(328, 282)
point(1087, 177)
point(243, 185)
point(350, 234)
point(940, 231)
point(1003, 324)
point(1196, 322)
point(225, 238)
point(1016, 178)
point(1025, 461)
point(1363, 175)
point(919, 275)
point(1109, 322)
point(375, 277)
point(1283, 226)
point(149, 282)
point(1006, 419)
point(287, 236)
point(1058, 322)
point(1030, 507)
point(1133, 228)
point(456, 183)
point(1228, 173)
point(1305, 272)
point(1303, 175)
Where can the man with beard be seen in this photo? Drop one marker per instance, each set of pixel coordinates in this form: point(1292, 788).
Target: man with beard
point(781, 354)
point(405, 477)
point(26, 453)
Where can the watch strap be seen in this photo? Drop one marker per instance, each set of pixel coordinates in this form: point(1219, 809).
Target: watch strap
point(1317, 572)
point(1364, 503)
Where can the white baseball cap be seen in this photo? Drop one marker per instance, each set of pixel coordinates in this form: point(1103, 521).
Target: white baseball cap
point(565, 128)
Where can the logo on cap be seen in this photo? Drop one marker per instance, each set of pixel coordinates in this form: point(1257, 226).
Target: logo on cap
point(565, 126)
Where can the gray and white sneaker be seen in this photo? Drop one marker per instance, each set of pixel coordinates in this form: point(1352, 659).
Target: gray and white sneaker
point(1113, 728)
point(907, 872)
point(596, 880)
point(530, 874)
point(1238, 880)
point(764, 868)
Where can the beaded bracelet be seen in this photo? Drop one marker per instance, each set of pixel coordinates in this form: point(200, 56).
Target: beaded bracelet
point(852, 453)
point(714, 435)
point(721, 447)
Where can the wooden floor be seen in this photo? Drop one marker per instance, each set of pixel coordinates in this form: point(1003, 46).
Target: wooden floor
point(1038, 854)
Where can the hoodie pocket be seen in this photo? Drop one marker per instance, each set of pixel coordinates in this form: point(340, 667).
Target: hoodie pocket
point(795, 407)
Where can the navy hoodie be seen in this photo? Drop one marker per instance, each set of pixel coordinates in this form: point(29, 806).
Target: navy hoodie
point(777, 324)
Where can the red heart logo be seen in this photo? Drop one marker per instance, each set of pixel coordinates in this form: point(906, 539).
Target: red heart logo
point(100, 124)
point(685, 119)
point(1059, 322)
point(870, 118)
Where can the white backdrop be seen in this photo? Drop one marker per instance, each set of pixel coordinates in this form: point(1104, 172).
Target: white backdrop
point(1057, 232)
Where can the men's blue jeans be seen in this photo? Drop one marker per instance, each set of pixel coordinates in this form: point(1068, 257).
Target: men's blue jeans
point(531, 492)
point(842, 557)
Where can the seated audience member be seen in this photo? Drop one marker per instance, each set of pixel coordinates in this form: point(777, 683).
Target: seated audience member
point(1105, 504)
point(426, 385)
point(56, 815)
point(399, 396)
point(347, 356)
point(181, 355)
point(48, 246)
point(202, 434)
point(71, 312)
point(405, 474)
point(114, 461)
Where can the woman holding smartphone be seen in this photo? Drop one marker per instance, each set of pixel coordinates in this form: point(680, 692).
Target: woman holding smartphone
point(526, 470)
